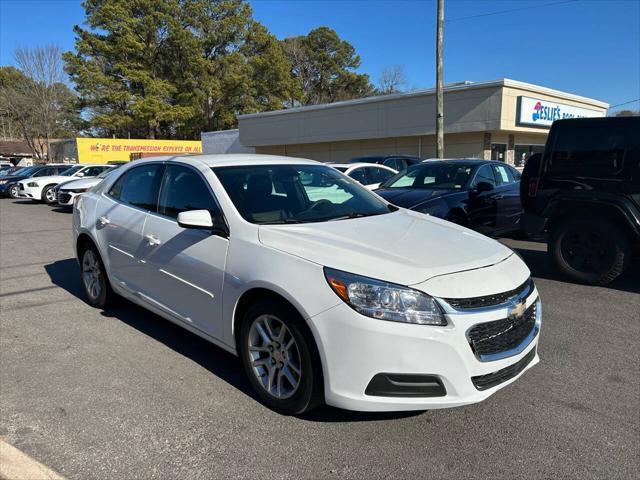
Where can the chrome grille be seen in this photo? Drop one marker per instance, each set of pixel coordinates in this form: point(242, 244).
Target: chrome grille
point(490, 300)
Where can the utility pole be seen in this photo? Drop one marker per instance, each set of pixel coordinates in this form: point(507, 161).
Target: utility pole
point(439, 83)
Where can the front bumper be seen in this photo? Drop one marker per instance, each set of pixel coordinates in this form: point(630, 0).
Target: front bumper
point(354, 349)
point(65, 198)
point(34, 193)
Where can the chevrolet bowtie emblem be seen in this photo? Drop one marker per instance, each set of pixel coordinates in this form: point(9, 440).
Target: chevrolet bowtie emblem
point(516, 310)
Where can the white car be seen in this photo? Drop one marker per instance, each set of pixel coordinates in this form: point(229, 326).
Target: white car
point(370, 175)
point(43, 188)
point(67, 191)
point(347, 300)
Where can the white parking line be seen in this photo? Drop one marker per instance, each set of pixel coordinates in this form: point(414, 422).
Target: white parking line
point(15, 465)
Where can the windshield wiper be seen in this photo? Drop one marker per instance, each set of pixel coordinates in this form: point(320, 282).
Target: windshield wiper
point(358, 215)
point(282, 222)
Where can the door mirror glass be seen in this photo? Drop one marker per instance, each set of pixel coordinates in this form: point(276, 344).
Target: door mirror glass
point(195, 219)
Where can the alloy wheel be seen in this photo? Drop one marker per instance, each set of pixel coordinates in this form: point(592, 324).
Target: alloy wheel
point(91, 274)
point(50, 195)
point(274, 356)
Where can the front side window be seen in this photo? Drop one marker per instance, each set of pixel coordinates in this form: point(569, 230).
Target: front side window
point(138, 186)
point(485, 174)
point(184, 189)
point(436, 175)
point(305, 193)
point(359, 175)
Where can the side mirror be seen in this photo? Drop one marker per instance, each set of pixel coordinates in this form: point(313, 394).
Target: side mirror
point(80, 174)
point(483, 187)
point(200, 219)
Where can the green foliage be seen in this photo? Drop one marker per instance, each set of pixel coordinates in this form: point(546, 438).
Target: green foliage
point(325, 66)
point(170, 68)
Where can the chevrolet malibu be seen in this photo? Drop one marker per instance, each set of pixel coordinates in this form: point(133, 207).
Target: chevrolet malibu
point(326, 293)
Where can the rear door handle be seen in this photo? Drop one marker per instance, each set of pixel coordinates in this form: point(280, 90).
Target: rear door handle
point(104, 221)
point(499, 197)
point(153, 240)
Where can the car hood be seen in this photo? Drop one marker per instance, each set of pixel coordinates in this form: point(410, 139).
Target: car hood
point(13, 178)
point(81, 183)
point(410, 197)
point(50, 179)
point(402, 247)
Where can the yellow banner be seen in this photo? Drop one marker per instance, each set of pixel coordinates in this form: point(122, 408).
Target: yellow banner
point(103, 150)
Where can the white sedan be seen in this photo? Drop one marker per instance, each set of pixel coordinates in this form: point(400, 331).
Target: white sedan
point(42, 189)
point(344, 299)
point(368, 174)
point(66, 192)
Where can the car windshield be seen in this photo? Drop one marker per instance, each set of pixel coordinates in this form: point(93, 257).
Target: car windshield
point(106, 172)
point(70, 171)
point(436, 175)
point(273, 194)
point(25, 171)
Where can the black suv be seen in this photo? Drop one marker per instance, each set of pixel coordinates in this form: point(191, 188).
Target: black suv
point(397, 162)
point(584, 192)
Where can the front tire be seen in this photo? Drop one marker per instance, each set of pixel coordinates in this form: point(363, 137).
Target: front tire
point(49, 195)
point(94, 278)
point(279, 357)
point(589, 250)
point(13, 191)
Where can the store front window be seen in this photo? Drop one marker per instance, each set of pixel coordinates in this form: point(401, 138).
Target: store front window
point(499, 152)
point(523, 152)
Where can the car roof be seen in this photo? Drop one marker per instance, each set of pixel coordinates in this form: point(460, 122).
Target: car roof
point(232, 160)
point(356, 165)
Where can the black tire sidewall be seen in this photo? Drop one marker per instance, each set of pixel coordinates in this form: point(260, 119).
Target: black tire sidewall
point(617, 245)
point(105, 292)
point(306, 397)
point(13, 191)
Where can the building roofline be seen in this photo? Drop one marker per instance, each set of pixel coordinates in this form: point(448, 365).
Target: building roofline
point(504, 82)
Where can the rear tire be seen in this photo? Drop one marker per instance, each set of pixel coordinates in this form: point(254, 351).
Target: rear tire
point(94, 278)
point(286, 375)
point(589, 249)
point(13, 191)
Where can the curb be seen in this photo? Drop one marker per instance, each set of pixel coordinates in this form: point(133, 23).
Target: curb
point(16, 465)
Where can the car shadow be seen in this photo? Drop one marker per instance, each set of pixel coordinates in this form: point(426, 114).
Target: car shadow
point(66, 274)
point(541, 266)
point(62, 210)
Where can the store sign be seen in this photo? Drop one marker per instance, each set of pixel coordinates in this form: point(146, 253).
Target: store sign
point(103, 150)
point(532, 111)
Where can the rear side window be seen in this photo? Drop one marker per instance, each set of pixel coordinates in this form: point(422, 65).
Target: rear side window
point(396, 163)
point(588, 149)
point(378, 175)
point(503, 174)
point(138, 186)
point(184, 189)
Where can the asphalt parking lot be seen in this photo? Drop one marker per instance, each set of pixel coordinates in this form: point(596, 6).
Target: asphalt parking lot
point(126, 394)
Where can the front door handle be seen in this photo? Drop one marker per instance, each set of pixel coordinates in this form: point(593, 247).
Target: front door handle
point(153, 240)
point(104, 221)
point(498, 197)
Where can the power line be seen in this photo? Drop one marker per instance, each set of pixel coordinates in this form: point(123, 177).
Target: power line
point(625, 103)
point(500, 12)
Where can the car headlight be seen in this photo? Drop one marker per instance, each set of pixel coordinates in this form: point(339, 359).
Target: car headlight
point(3, 182)
point(384, 301)
point(32, 184)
